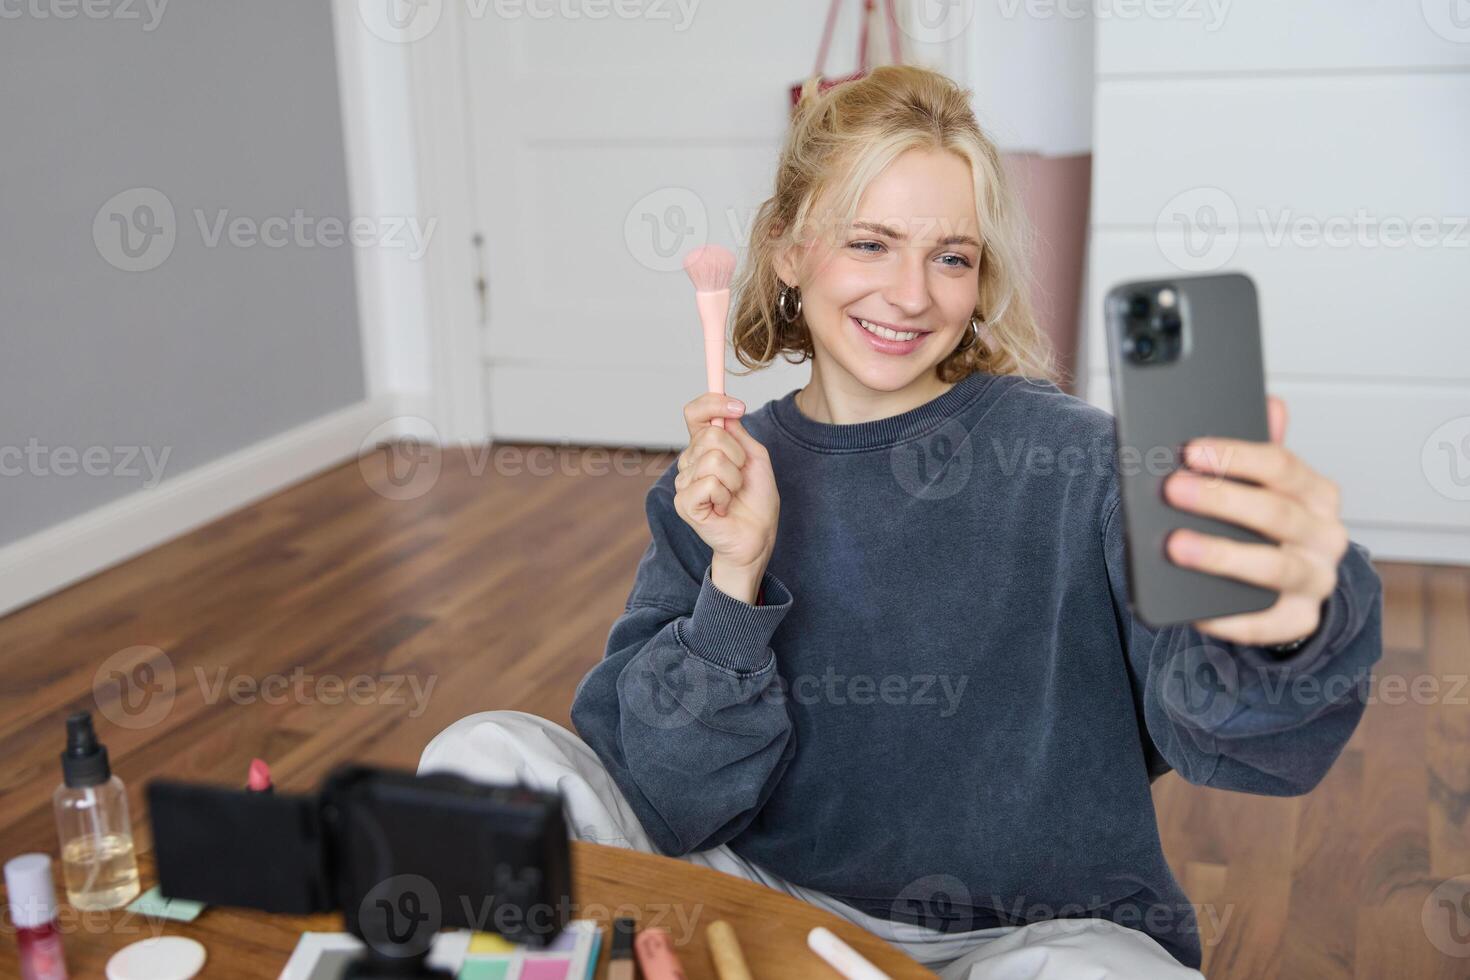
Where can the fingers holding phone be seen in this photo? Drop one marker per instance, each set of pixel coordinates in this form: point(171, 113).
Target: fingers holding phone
point(1265, 487)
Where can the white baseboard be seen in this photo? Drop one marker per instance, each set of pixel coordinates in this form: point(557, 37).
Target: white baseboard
point(1433, 546)
point(62, 554)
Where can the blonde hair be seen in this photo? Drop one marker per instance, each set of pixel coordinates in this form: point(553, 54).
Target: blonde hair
point(842, 139)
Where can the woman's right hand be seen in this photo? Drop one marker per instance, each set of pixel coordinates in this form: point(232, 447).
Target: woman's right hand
point(726, 491)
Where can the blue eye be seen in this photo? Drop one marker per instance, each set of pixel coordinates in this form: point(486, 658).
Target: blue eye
point(964, 262)
point(857, 244)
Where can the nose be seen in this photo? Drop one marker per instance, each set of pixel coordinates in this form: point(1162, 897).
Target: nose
point(908, 289)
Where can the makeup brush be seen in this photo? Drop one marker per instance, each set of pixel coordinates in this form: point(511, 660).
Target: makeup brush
point(710, 268)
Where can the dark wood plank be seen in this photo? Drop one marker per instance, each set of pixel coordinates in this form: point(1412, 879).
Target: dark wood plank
point(496, 588)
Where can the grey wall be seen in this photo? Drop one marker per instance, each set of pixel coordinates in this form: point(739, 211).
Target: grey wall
point(227, 107)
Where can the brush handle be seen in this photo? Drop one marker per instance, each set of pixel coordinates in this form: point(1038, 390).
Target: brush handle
point(713, 308)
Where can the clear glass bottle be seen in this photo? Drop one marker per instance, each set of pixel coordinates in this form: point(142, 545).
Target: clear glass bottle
point(98, 863)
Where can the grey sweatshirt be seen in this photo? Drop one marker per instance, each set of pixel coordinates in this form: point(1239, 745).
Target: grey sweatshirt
point(942, 711)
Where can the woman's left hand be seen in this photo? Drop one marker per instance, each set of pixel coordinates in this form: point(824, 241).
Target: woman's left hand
point(1293, 505)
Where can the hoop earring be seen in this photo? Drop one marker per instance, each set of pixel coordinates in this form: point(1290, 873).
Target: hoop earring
point(788, 297)
point(972, 339)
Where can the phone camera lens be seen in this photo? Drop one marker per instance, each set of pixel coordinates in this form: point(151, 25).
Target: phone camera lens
point(1144, 347)
point(1138, 306)
point(1169, 323)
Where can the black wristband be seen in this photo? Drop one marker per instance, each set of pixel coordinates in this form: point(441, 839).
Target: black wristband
point(1282, 649)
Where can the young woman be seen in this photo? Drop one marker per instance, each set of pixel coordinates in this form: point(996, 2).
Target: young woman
point(879, 653)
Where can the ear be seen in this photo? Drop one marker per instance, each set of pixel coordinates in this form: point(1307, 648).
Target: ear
point(785, 264)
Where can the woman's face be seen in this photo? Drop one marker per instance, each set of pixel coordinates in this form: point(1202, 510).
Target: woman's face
point(908, 263)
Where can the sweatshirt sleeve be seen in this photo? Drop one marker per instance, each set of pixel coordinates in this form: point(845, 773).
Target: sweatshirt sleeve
point(1241, 717)
point(686, 709)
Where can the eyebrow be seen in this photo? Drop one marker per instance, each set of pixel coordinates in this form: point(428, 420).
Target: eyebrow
point(891, 233)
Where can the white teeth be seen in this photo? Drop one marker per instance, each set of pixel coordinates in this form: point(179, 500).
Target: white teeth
point(885, 333)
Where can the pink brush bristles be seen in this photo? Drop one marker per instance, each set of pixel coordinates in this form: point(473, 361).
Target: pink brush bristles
point(710, 268)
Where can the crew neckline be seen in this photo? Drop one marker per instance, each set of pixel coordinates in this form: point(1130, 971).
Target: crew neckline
point(878, 433)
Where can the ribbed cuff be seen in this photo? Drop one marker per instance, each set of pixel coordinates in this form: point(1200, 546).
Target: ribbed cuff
point(732, 634)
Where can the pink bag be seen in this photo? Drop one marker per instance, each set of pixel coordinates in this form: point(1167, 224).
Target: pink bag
point(825, 83)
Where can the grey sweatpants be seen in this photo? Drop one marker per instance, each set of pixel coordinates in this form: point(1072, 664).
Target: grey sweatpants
point(513, 746)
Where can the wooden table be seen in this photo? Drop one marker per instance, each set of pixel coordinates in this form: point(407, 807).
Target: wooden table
point(607, 881)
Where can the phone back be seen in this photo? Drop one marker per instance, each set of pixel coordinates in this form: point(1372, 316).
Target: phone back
point(1185, 357)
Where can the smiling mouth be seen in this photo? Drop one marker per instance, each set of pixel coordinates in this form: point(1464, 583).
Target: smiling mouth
point(889, 333)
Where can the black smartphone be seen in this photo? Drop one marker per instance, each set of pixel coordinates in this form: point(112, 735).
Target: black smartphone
point(1185, 359)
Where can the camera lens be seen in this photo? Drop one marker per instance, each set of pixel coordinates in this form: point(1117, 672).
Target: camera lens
point(1169, 322)
point(1138, 306)
point(1144, 347)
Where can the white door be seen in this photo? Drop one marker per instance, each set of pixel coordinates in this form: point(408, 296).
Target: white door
point(1323, 155)
point(603, 150)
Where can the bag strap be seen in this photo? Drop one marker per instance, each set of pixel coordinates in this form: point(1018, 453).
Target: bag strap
point(893, 46)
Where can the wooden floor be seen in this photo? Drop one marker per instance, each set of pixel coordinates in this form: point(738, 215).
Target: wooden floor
point(498, 584)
